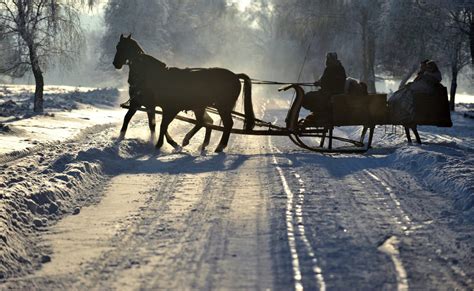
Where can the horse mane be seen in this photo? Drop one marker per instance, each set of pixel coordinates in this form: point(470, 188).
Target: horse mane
point(137, 46)
point(141, 51)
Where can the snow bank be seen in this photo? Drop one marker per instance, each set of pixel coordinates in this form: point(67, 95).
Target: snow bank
point(445, 160)
point(443, 168)
point(48, 163)
point(42, 187)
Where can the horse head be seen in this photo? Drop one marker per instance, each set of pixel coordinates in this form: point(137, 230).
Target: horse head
point(127, 49)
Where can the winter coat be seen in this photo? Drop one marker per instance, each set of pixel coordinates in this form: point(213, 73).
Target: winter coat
point(425, 83)
point(333, 79)
point(402, 102)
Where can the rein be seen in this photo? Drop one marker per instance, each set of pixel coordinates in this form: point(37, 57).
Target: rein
point(265, 82)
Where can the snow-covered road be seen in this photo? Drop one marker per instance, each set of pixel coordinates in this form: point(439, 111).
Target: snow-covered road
point(263, 215)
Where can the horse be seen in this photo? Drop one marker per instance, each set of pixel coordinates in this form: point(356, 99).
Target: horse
point(153, 84)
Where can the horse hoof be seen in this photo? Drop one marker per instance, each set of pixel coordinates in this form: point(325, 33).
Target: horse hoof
point(203, 147)
point(177, 149)
point(121, 136)
point(219, 149)
point(152, 139)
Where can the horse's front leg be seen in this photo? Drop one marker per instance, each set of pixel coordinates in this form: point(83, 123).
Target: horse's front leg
point(128, 116)
point(168, 116)
point(151, 122)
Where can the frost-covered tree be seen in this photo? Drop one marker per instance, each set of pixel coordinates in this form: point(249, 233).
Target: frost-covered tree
point(368, 15)
point(316, 27)
point(164, 28)
point(146, 20)
point(347, 27)
point(460, 32)
point(36, 33)
point(195, 33)
point(450, 21)
point(407, 37)
point(460, 15)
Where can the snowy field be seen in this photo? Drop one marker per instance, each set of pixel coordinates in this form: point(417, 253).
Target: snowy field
point(81, 209)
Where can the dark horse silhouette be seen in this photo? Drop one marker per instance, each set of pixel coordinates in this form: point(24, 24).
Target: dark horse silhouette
point(153, 84)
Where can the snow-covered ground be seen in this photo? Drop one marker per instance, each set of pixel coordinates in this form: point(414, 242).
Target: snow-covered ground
point(68, 111)
point(81, 209)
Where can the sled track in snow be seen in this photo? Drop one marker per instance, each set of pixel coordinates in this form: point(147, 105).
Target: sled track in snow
point(296, 228)
point(390, 245)
point(408, 225)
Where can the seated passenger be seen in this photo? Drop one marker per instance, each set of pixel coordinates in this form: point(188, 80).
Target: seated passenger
point(402, 102)
point(427, 78)
point(332, 82)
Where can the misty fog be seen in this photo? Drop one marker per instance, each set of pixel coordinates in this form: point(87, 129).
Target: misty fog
point(272, 40)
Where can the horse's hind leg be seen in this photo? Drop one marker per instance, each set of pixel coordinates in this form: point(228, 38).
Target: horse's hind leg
point(128, 116)
point(207, 137)
point(202, 118)
point(168, 116)
point(171, 141)
point(198, 114)
point(228, 123)
point(407, 132)
point(417, 135)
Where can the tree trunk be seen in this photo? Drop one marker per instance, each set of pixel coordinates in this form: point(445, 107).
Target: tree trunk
point(454, 85)
point(368, 54)
point(408, 76)
point(371, 62)
point(39, 81)
point(471, 40)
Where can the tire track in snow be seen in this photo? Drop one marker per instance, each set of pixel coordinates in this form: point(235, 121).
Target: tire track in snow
point(296, 228)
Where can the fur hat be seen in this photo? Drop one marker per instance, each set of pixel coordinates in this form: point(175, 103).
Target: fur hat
point(331, 56)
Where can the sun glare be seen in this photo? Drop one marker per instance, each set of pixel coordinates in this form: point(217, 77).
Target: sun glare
point(241, 4)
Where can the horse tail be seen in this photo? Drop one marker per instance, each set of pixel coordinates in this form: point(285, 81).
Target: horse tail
point(248, 107)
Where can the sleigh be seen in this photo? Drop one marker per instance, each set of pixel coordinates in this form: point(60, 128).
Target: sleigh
point(367, 111)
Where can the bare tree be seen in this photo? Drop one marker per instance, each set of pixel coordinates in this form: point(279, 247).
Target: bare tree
point(461, 14)
point(456, 54)
point(38, 33)
point(453, 37)
point(168, 29)
point(406, 39)
point(367, 13)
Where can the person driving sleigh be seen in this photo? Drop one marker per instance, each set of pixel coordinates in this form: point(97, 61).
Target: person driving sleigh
point(332, 82)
